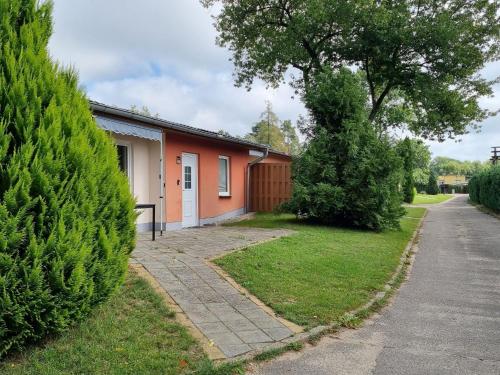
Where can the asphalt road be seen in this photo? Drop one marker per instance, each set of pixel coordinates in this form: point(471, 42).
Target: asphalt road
point(445, 318)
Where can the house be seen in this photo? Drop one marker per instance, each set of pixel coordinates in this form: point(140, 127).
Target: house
point(453, 183)
point(193, 176)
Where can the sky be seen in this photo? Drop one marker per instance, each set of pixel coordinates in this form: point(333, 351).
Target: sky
point(162, 54)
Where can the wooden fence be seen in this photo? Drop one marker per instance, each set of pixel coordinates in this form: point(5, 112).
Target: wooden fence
point(270, 185)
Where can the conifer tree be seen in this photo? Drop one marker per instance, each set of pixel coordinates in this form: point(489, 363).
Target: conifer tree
point(67, 224)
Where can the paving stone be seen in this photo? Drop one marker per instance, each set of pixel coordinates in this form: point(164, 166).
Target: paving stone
point(202, 317)
point(234, 350)
point(211, 298)
point(234, 299)
point(254, 314)
point(278, 333)
point(254, 337)
point(228, 315)
point(218, 307)
point(267, 323)
point(213, 328)
point(241, 324)
point(225, 338)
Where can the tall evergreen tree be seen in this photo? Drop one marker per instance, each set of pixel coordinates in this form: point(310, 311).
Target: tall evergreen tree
point(405, 149)
point(346, 174)
point(432, 185)
point(267, 130)
point(67, 223)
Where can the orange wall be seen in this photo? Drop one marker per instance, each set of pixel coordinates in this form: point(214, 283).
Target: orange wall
point(209, 202)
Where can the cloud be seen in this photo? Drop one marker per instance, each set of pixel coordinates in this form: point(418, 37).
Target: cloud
point(162, 54)
point(209, 102)
point(115, 38)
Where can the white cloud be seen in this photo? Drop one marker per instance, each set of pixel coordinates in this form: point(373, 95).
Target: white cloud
point(162, 54)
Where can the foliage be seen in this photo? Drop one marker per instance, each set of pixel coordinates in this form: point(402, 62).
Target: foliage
point(281, 136)
point(422, 159)
point(443, 166)
point(484, 188)
point(144, 111)
point(319, 273)
point(291, 138)
point(67, 221)
point(421, 57)
point(432, 185)
point(405, 151)
point(346, 175)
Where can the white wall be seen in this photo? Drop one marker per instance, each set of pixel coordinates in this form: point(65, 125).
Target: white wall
point(145, 172)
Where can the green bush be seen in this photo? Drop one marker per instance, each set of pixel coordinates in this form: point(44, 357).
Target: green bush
point(346, 175)
point(405, 151)
point(66, 213)
point(484, 188)
point(432, 186)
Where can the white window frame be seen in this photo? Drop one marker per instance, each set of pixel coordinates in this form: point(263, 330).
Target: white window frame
point(130, 171)
point(228, 163)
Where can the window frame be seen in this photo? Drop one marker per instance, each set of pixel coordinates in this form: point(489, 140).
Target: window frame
point(226, 193)
point(130, 172)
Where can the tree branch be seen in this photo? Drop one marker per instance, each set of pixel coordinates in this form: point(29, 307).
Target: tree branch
point(370, 82)
point(378, 103)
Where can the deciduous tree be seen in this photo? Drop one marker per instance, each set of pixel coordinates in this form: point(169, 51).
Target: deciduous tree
point(422, 57)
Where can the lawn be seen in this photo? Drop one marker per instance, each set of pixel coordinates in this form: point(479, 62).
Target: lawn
point(431, 199)
point(133, 333)
point(316, 275)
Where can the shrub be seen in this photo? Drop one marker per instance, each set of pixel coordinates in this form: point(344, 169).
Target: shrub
point(432, 186)
point(405, 151)
point(484, 188)
point(66, 213)
point(346, 175)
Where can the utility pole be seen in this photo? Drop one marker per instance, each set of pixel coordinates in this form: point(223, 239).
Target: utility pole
point(495, 154)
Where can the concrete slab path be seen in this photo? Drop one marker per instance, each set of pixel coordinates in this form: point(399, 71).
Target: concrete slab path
point(444, 320)
point(178, 261)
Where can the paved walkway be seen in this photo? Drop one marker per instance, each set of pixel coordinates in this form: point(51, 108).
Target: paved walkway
point(178, 262)
point(444, 320)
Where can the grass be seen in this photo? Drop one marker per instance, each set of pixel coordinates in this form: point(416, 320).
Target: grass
point(431, 199)
point(133, 333)
point(276, 352)
point(318, 274)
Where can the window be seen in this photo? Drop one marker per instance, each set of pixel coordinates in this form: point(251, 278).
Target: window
point(123, 158)
point(124, 152)
point(224, 176)
point(187, 177)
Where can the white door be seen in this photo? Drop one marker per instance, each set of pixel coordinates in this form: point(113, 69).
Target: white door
point(189, 190)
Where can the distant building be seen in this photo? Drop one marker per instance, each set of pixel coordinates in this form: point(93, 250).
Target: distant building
point(449, 183)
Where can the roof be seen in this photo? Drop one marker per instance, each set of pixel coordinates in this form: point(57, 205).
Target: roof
point(165, 124)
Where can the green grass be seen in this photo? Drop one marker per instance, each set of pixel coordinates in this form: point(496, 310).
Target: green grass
point(133, 333)
point(316, 275)
point(431, 199)
point(276, 352)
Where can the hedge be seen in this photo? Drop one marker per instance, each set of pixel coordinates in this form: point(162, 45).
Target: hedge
point(484, 188)
point(67, 221)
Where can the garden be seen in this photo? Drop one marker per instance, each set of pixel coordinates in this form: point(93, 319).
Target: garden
point(67, 223)
point(320, 273)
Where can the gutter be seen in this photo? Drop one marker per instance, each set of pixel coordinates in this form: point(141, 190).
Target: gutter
point(249, 166)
